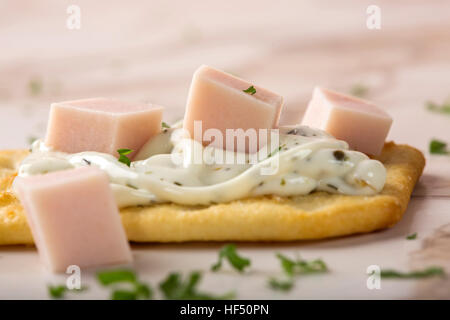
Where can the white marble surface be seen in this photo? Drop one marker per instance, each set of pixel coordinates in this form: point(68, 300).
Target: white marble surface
point(148, 51)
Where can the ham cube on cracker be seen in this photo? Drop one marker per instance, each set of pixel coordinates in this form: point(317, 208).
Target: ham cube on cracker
point(222, 101)
point(360, 123)
point(102, 125)
point(74, 218)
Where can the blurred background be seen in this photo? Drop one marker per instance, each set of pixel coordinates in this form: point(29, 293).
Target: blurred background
point(148, 50)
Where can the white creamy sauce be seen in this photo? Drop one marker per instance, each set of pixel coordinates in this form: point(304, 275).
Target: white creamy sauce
point(308, 159)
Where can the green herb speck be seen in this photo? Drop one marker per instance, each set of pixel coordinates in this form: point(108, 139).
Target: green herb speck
point(250, 90)
point(417, 274)
point(438, 147)
point(229, 252)
point(57, 292)
point(443, 108)
point(31, 139)
point(299, 266)
point(359, 90)
point(113, 276)
point(412, 236)
point(123, 156)
point(275, 151)
point(35, 87)
point(175, 288)
point(282, 285)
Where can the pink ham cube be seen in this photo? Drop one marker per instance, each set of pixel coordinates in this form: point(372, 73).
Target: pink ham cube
point(218, 100)
point(74, 218)
point(360, 123)
point(102, 125)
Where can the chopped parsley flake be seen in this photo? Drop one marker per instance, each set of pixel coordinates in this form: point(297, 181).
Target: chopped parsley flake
point(444, 108)
point(276, 151)
point(418, 274)
point(359, 90)
point(165, 125)
point(300, 266)
point(295, 267)
point(123, 295)
point(123, 156)
point(140, 291)
point(438, 147)
point(174, 288)
point(282, 285)
point(35, 87)
point(229, 252)
point(59, 291)
point(412, 236)
point(250, 90)
point(31, 139)
point(113, 277)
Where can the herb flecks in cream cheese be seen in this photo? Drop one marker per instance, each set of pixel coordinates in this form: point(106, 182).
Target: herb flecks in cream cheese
point(308, 160)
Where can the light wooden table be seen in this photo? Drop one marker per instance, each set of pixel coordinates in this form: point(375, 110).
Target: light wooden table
point(148, 50)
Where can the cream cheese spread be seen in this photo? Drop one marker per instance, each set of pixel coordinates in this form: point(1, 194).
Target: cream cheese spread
point(307, 160)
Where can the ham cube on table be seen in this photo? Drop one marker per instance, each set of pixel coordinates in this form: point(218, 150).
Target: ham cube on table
point(102, 125)
point(218, 100)
point(74, 218)
point(363, 125)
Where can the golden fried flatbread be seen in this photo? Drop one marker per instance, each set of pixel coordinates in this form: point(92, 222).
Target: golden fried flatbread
point(314, 216)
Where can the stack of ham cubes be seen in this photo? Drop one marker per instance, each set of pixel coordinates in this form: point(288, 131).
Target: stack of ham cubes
point(72, 213)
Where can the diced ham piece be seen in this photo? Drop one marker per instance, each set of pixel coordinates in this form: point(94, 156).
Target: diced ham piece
point(218, 100)
point(74, 218)
point(103, 125)
point(360, 123)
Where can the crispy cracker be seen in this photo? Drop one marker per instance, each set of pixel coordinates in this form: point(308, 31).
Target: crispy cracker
point(314, 216)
